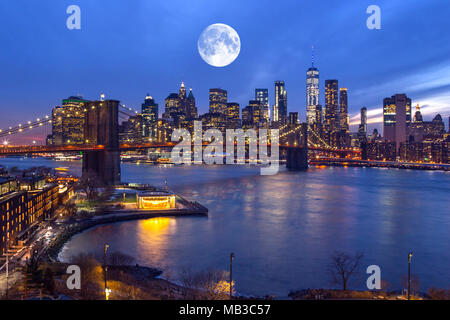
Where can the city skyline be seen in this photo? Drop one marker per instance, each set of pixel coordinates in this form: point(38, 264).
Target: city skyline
point(33, 83)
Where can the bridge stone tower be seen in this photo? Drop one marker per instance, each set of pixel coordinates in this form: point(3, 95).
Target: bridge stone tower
point(297, 151)
point(102, 128)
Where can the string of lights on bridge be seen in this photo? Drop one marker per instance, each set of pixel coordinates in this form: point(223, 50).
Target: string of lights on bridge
point(39, 122)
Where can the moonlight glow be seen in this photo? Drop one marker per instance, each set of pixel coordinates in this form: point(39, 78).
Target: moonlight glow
point(219, 45)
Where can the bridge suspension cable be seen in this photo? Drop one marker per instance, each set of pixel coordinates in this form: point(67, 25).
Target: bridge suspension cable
point(39, 122)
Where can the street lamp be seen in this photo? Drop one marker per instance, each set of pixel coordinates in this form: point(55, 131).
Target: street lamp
point(231, 275)
point(409, 274)
point(107, 291)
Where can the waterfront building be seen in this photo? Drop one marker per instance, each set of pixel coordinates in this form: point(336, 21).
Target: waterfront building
point(218, 101)
point(280, 107)
point(155, 200)
point(21, 204)
point(68, 121)
point(384, 151)
point(150, 112)
point(396, 118)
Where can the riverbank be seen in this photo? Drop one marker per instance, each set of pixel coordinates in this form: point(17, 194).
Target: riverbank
point(68, 231)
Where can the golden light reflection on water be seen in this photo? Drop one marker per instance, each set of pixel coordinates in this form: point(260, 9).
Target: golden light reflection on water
point(156, 226)
point(153, 234)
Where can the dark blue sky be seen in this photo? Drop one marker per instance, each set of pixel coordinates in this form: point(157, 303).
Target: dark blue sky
point(126, 49)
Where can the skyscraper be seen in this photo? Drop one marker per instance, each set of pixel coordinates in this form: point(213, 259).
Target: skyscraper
point(362, 129)
point(280, 107)
point(68, 121)
point(191, 109)
point(262, 95)
point(233, 119)
point(343, 110)
point(183, 99)
point(218, 101)
point(149, 110)
point(293, 118)
point(396, 118)
point(418, 114)
point(256, 112)
point(312, 93)
point(331, 114)
point(172, 106)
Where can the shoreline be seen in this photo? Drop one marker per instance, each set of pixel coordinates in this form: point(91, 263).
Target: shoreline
point(54, 248)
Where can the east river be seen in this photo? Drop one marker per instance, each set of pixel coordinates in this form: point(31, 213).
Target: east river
point(283, 228)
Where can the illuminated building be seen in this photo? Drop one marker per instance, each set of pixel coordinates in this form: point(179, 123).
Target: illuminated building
point(312, 94)
point(396, 118)
point(132, 129)
point(191, 109)
point(247, 117)
point(214, 120)
point(293, 118)
point(172, 106)
point(165, 128)
point(362, 130)
point(418, 115)
point(23, 204)
point(182, 99)
point(255, 108)
point(155, 200)
point(379, 151)
point(233, 115)
point(331, 116)
point(218, 101)
point(343, 109)
point(68, 122)
point(149, 118)
point(262, 96)
point(280, 107)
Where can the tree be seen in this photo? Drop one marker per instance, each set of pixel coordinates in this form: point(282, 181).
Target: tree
point(343, 266)
point(91, 276)
point(69, 209)
point(89, 184)
point(49, 282)
point(439, 294)
point(209, 285)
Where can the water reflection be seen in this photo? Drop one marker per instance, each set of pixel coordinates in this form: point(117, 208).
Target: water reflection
point(283, 228)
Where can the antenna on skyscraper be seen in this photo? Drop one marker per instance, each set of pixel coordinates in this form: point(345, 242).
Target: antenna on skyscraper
point(312, 55)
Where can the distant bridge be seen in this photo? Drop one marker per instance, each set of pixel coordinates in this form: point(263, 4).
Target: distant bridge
point(102, 157)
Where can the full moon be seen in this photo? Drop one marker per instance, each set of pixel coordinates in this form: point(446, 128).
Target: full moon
point(219, 45)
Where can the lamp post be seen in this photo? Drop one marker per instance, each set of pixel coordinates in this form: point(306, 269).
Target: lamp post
point(231, 275)
point(409, 274)
point(105, 269)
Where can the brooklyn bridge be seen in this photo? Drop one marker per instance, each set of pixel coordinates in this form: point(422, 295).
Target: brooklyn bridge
point(102, 147)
